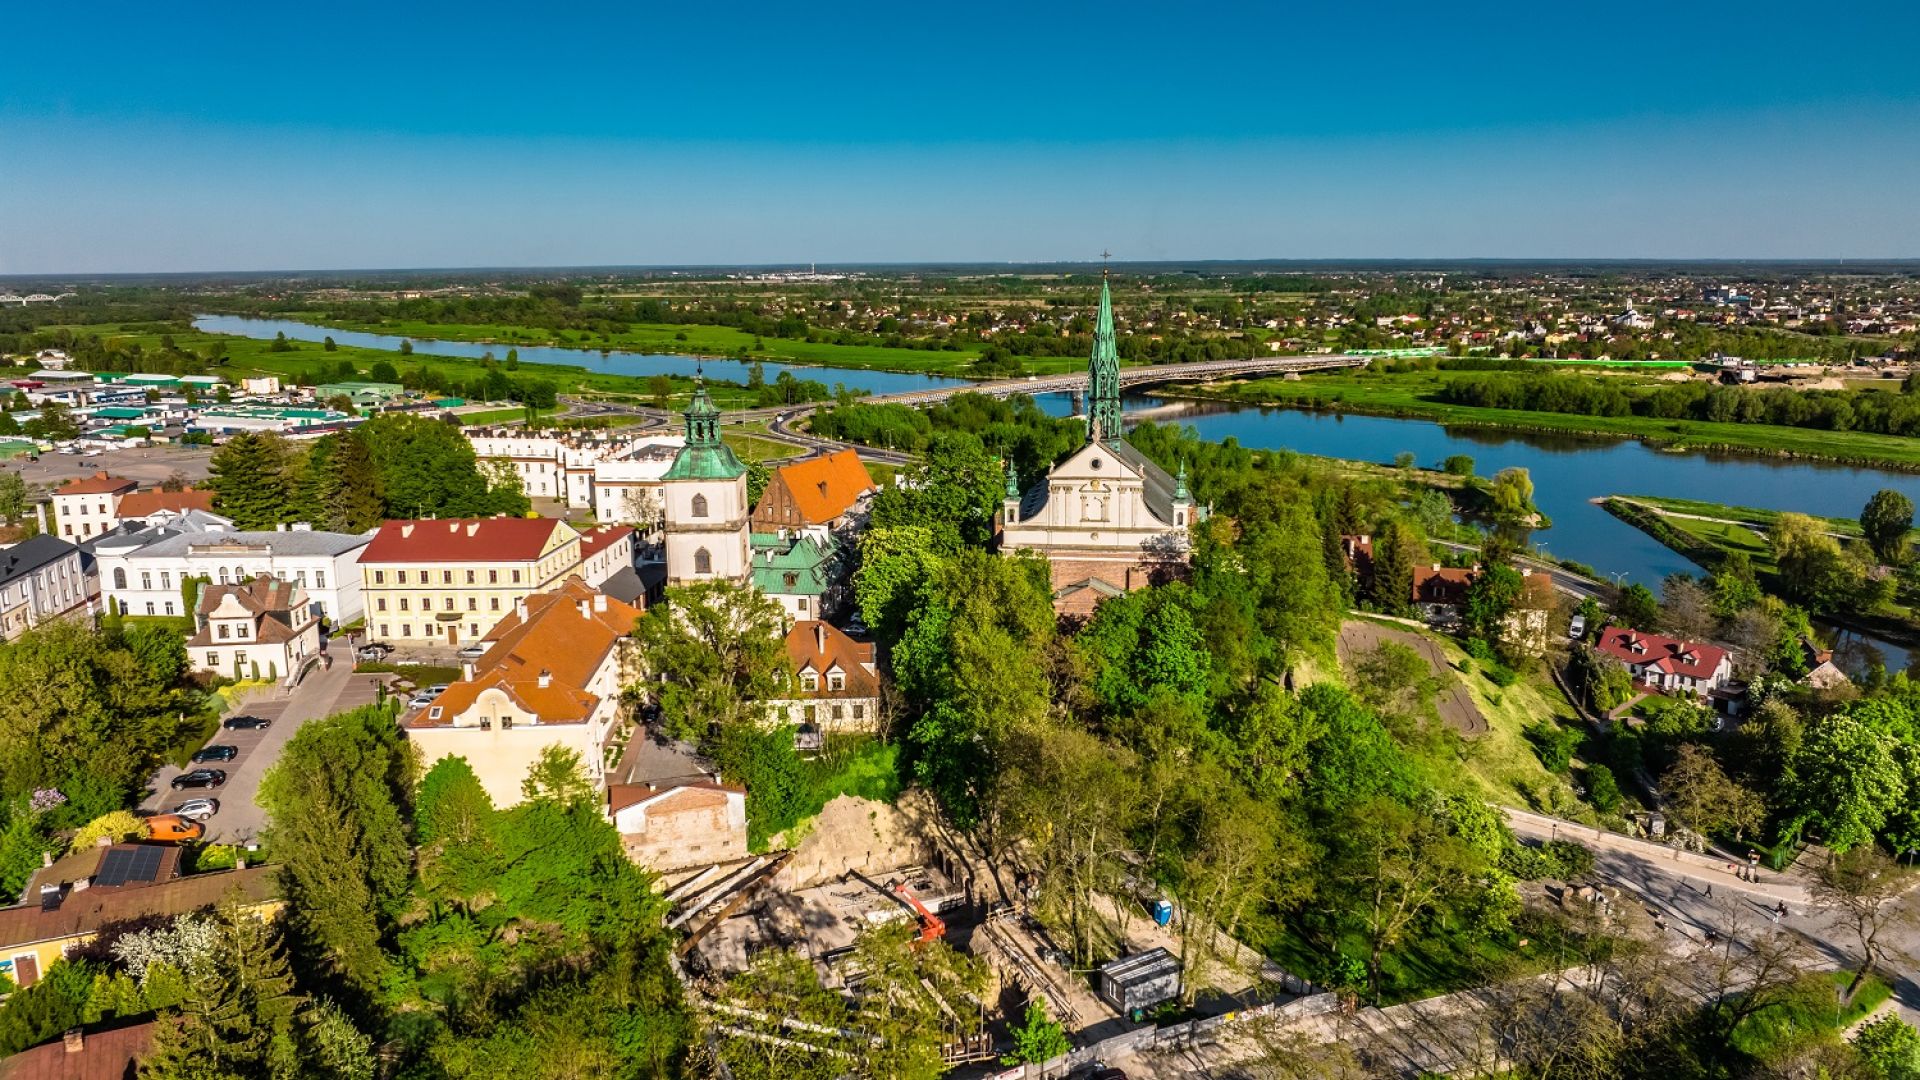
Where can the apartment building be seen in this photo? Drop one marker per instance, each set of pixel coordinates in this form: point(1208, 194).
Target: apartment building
point(86, 507)
point(560, 465)
point(142, 570)
point(448, 582)
point(42, 578)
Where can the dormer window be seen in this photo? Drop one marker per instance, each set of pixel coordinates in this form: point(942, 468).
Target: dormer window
point(224, 631)
point(836, 680)
point(809, 681)
point(435, 712)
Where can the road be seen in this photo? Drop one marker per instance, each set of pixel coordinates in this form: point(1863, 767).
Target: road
point(240, 821)
point(1564, 580)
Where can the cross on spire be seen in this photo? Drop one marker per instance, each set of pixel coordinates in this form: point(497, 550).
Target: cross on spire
point(1106, 265)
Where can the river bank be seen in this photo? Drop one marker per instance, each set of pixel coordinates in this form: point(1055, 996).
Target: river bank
point(1401, 397)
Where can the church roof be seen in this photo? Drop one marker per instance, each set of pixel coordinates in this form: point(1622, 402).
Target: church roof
point(1157, 488)
point(704, 463)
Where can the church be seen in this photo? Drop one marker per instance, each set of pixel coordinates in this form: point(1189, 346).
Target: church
point(705, 497)
point(1107, 518)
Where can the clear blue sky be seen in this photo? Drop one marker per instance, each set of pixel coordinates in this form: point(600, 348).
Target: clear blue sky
point(212, 136)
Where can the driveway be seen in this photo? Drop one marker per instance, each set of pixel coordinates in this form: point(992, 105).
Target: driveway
point(240, 821)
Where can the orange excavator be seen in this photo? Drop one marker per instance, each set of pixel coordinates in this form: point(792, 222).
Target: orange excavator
point(932, 927)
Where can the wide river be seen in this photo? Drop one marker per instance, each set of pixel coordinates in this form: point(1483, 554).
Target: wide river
point(1568, 472)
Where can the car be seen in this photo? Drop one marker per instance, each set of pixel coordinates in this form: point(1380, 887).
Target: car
point(198, 809)
point(247, 723)
point(1577, 627)
point(215, 753)
point(420, 701)
point(200, 778)
point(1104, 1071)
point(173, 827)
point(472, 652)
point(435, 690)
point(373, 650)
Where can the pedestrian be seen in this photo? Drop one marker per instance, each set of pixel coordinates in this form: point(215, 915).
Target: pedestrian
point(1709, 888)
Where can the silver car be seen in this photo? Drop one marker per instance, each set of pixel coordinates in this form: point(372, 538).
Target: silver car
point(198, 809)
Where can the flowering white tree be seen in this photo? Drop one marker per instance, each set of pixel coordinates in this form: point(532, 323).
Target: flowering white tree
point(184, 945)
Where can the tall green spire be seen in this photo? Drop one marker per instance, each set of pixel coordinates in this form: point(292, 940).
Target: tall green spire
point(704, 457)
point(703, 416)
point(1103, 375)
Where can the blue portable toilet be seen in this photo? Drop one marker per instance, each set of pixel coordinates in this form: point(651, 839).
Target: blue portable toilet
point(1162, 913)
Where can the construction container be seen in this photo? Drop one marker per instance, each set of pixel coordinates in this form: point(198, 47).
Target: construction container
point(1140, 981)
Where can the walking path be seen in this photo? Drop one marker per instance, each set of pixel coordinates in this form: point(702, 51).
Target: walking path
point(1709, 870)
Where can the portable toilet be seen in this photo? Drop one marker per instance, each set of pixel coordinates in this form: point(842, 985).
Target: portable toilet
point(1162, 913)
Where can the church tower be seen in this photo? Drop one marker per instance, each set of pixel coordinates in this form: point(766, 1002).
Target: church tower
point(705, 495)
point(1103, 376)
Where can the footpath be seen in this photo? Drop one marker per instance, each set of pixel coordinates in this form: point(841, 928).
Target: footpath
point(1666, 859)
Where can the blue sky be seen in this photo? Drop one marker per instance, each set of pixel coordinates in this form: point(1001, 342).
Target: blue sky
point(143, 137)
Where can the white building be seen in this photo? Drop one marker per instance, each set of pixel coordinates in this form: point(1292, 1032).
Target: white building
point(43, 578)
point(260, 629)
point(705, 495)
point(560, 465)
point(89, 506)
point(142, 572)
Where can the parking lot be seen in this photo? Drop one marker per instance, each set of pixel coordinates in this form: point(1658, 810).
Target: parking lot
point(324, 692)
point(146, 465)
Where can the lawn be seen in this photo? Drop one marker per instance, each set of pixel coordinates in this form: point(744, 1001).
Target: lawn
point(748, 441)
point(1777, 1030)
point(1752, 515)
point(1413, 394)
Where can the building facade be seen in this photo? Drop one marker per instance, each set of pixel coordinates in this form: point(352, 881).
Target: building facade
point(1666, 664)
point(830, 491)
point(143, 572)
point(1107, 519)
point(448, 582)
point(43, 578)
point(87, 507)
point(833, 684)
point(551, 675)
point(705, 496)
point(680, 825)
point(258, 629)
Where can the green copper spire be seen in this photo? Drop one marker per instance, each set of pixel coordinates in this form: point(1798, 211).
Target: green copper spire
point(1013, 481)
point(703, 417)
point(1180, 491)
point(1103, 375)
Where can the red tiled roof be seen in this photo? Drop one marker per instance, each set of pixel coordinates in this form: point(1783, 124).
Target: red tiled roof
point(1441, 584)
point(621, 796)
point(819, 645)
point(502, 539)
point(139, 504)
point(562, 636)
point(102, 1055)
point(593, 540)
point(87, 911)
point(98, 484)
point(1662, 654)
point(825, 487)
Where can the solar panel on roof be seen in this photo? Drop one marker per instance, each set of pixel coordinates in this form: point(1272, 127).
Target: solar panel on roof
point(146, 864)
point(114, 866)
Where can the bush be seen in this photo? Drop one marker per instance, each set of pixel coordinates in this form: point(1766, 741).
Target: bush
point(1565, 860)
point(1555, 744)
point(119, 825)
point(1602, 789)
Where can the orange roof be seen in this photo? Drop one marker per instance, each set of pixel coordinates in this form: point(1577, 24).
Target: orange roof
point(621, 796)
point(141, 503)
point(826, 487)
point(98, 484)
point(564, 636)
point(98, 1055)
point(821, 646)
point(601, 536)
point(501, 539)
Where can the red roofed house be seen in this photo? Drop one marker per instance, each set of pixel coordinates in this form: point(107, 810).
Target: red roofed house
point(1668, 665)
point(157, 506)
point(447, 582)
point(113, 1054)
point(551, 675)
point(834, 685)
point(262, 628)
point(825, 490)
point(1440, 592)
point(87, 507)
point(677, 824)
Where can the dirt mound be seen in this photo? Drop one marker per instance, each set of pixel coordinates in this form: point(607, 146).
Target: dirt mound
point(854, 834)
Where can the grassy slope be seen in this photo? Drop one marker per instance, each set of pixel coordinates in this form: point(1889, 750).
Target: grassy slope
point(1411, 395)
point(707, 341)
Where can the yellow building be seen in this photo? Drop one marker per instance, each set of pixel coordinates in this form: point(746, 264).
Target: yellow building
point(448, 582)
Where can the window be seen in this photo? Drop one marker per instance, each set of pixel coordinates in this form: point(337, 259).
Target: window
point(119, 578)
point(435, 712)
point(809, 681)
point(859, 711)
point(379, 577)
point(516, 577)
point(149, 607)
point(699, 506)
point(223, 575)
point(240, 631)
point(169, 607)
point(506, 722)
point(473, 603)
point(446, 577)
point(838, 713)
point(83, 509)
point(406, 629)
point(702, 562)
point(166, 579)
point(239, 658)
point(224, 631)
point(469, 577)
point(403, 604)
point(380, 604)
point(300, 579)
point(319, 579)
point(66, 530)
point(473, 629)
point(384, 632)
point(493, 577)
point(494, 603)
point(836, 681)
point(213, 659)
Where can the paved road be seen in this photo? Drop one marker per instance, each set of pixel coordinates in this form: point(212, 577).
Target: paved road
point(240, 820)
point(1563, 579)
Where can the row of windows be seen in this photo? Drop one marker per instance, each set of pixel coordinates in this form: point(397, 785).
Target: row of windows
point(239, 577)
point(239, 630)
point(811, 682)
point(429, 630)
point(213, 659)
point(446, 577)
point(446, 603)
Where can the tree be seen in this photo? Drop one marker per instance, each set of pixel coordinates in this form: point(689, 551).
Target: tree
point(660, 391)
point(1637, 608)
point(895, 564)
point(14, 498)
point(349, 486)
point(712, 654)
point(952, 494)
point(1395, 679)
point(1458, 465)
point(336, 798)
point(251, 479)
point(1037, 1038)
point(1492, 597)
point(559, 776)
point(1863, 886)
point(1890, 1047)
point(1686, 611)
point(327, 345)
point(428, 469)
point(406, 348)
point(1397, 549)
point(1602, 789)
point(116, 826)
point(55, 423)
point(1886, 520)
point(1512, 494)
point(1813, 569)
point(1845, 779)
point(238, 1019)
point(383, 371)
point(1702, 797)
point(1394, 865)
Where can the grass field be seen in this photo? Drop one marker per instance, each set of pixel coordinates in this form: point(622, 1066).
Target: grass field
point(750, 443)
point(1752, 515)
point(705, 341)
point(1412, 394)
point(1815, 1017)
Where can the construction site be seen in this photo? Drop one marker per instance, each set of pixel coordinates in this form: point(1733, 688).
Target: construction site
point(864, 864)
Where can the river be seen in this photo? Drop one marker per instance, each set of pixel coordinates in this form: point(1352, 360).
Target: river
point(1568, 471)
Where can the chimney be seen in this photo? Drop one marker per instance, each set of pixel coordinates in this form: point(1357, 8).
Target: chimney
point(76, 1040)
point(406, 530)
point(546, 678)
point(819, 636)
point(46, 860)
point(586, 609)
point(600, 602)
point(520, 608)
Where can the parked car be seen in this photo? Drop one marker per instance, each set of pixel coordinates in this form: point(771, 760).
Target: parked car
point(472, 652)
point(200, 778)
point(247, 723)
point(215, 753)
point(420, 701)
point(1577, 627)
point(373, 651)
point(198, 809)
point(1103, 1071)
point(435, 690)
point(173, 827)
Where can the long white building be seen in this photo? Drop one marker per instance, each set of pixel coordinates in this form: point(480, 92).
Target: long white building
point(566, 466)
point(142, 571)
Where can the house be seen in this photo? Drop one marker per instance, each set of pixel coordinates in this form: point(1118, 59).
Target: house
point(1440, 592)
point(679, 824)
point(1666, 664)
point(629, 489)
point(157, 506)
point(261, 628)
point(796, 572)
point(1822, 672)
point(833, 685)
point(109, 1054)
point(830, 490)
point(86, 507)
point(444, 582)
point(42, 578)
point(142, 568)
point(141, 884)
point(605, 550)
point(551, 675)
point(1107, 513)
